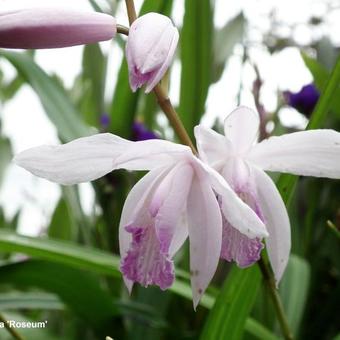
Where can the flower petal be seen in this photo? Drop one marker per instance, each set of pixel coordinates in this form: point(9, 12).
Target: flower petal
point(157, 77)
point(89, 158)
point(277, 222)
point(241, 127)
point(239, 214)
point(53, 27)
point(309, 153)
point(205, 235)
point(172, 201)
point(135, 202)
point(213, 148)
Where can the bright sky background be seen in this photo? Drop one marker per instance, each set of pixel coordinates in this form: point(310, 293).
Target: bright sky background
point(24, 121)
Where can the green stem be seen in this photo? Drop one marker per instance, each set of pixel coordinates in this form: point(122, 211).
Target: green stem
point(122, 29)
point(10, 330)
point(165, 104)
point(281, 315)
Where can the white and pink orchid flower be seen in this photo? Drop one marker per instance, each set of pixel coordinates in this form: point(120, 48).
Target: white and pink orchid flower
point(39, 28)
point(150, 48)
point(241, 160)
point(175, 199)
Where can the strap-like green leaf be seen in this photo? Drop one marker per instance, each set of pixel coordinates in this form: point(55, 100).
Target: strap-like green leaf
point(52, 96)
point(196, 61)
point(228, 317)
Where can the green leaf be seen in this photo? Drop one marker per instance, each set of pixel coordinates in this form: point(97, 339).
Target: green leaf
point(196, 43)
point(287, 183)
point(62, 224)
point(225, 40)
point(52, 96)
point(77, 289)
point(294, 290)
point(5, 155)
point(61, 252)
point(232, 306)
point(92, 84)
point(30, 300)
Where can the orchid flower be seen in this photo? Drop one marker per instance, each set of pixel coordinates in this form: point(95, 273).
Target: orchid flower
point(175, 199)
point(54, 27)
point(150, 48)
point(241, 161)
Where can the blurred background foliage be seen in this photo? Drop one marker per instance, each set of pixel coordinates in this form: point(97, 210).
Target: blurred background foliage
point(69, 274)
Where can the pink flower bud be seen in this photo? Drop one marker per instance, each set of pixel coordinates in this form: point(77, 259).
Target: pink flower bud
point(53, 27)
point(150, 49)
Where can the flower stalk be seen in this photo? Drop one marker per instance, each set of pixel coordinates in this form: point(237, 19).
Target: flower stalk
point(281, 315)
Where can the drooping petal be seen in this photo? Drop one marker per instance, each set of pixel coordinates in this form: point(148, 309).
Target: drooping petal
point(277, 222)
point(205, 235)
point(308, 153)
point(53, 28)
point(89, 158)
point(239, 214)
point(138, 200)
point(214, 149)
point(241, 127)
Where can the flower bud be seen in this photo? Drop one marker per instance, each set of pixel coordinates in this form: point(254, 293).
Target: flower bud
point(53, 28)
point(150, 49)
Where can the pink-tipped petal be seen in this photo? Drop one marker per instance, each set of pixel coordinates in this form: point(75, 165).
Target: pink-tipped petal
point(136, 201)
point(150, 48)
point(205, 235)
point(53, 28)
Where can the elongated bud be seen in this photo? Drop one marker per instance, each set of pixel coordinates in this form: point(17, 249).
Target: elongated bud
point(53, 28)
point(150, 48)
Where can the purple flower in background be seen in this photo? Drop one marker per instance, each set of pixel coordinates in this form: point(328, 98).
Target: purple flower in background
point(305, 100)
point(53, 27)
point(104, 121)
point(140, 132)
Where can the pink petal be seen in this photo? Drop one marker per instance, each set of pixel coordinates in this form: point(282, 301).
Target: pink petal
point(136, 201)
point(53, 28)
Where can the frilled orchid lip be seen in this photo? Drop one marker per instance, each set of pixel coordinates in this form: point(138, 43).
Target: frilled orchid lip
point(40, 28)
point(241, 159)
